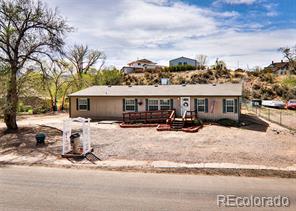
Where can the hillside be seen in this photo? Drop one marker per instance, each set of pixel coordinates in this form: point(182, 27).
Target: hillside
point(257, 84)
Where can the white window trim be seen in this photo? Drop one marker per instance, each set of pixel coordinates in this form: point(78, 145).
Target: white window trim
point(204, 105)
point(153, 105)
point(226, 106)
point(125, 104)
point(158, 103)
point(79, 104)
point(166, 99)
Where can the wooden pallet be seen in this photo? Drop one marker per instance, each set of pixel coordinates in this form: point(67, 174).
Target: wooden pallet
point(74, 155)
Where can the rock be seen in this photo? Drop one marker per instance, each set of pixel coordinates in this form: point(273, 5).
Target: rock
point(23, 145)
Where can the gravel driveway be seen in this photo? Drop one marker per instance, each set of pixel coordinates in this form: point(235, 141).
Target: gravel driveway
point(257, 143)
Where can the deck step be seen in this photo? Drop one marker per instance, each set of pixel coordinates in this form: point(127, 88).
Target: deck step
point(177, 125)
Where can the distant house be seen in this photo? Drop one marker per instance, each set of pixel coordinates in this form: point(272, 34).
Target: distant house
point(280, 68)
point(139, 66)
point(183, 61)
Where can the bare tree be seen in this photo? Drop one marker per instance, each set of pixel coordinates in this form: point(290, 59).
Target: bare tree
point(54, 80)
point(28, 31)
point(83, 58)
point(290, 55)
point(201, 61)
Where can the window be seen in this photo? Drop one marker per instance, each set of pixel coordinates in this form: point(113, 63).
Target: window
point(130, 104)
point(165, 104)
point(82, 104)
point(229, 105)
point(201, 105)
point(180, 63)
point(185, 63)
point(159, 104)
point(152, 104)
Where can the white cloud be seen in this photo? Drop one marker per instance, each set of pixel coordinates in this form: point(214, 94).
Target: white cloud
point(248, 2)
point(164, 29)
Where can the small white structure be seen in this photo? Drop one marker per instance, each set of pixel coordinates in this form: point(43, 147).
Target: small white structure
point(164, 81)
point(85, 135)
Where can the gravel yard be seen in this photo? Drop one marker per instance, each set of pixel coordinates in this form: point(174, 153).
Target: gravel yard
point(256, 143)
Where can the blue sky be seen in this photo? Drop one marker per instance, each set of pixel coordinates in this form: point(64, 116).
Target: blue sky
point(243, 33)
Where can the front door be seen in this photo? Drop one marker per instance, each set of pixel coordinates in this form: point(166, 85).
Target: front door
point(185, 104)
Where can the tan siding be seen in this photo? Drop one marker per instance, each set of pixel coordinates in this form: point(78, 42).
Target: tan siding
point(112, 108)
point(215, 111)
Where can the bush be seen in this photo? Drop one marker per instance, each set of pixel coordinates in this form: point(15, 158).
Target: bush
point(197, 122)
point(228, 122)
point(179, 68)
point(110, 77)
point(181, 80)
point(267, 77)
point(41, 110)
point(24, 108)
point(289, 81)
point(238, 74)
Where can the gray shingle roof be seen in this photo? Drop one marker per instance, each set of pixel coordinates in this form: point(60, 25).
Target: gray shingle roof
point(163, 90)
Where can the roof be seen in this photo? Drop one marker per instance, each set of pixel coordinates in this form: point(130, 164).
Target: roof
point(182, 57)
point(278, 65)
point(163, 90)
point(146, 61)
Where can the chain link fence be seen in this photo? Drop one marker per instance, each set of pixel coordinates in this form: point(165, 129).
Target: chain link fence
point(286, 118)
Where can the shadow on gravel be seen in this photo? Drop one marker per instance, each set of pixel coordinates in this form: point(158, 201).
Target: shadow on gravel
point(23, 143)
point(252, 122)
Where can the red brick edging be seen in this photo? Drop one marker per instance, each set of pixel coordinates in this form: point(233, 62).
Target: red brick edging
point(124, 125)
point(161, 127)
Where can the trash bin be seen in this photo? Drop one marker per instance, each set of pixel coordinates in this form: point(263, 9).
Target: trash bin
point(40, 138)
point(75, 142)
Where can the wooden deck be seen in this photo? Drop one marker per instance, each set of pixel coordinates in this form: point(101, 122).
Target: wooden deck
point(160, 116)
point(147, 116)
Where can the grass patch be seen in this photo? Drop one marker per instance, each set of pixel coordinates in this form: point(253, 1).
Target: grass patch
point(289, 81)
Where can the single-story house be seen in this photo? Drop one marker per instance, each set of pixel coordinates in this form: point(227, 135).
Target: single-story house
point(280, 68)
point(210, 101)
point(183, 61)
point(139, 65)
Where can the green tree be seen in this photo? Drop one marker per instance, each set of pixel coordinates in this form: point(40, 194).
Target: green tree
point(110, 77)
point(29, 30)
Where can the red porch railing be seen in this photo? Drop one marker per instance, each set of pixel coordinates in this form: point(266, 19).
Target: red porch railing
point(148, 116)
point(171, 117)
point(189, 115)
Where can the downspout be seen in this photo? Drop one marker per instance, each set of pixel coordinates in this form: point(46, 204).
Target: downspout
point(70, 108)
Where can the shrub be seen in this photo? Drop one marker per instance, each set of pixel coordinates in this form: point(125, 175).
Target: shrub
point(289, 81)
point(268, 77)
point(179, 68)
point(238, 74)
point(40, 110)
point(110, 77)
point(197, 122)
point(181, 80)
point(235, 80)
